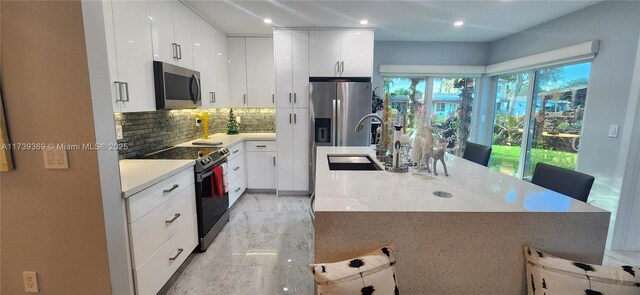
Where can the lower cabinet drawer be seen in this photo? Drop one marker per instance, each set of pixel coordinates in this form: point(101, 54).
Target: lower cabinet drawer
point(236, 150)
point(143, 202)
point(236, 168)
point(236, 188)
point(152, 230)
point(154, 273)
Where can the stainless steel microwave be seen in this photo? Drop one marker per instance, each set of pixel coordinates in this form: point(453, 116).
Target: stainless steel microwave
point(176, 87)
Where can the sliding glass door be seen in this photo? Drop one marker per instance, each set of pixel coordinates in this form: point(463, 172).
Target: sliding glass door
point(538, 119)
point(452, 106)
point(512, 96)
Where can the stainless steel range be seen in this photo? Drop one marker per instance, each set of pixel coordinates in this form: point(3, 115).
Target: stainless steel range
point(212, 211)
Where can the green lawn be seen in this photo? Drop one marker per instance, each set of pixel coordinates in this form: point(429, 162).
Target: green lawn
point(505, 158)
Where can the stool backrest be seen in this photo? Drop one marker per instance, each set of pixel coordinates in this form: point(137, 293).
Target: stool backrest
point(567, 182)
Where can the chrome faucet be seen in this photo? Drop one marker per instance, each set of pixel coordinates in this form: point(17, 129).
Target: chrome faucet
point(380, 153)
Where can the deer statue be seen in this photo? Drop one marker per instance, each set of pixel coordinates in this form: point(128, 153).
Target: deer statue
point(438, 155)
point(422, 143)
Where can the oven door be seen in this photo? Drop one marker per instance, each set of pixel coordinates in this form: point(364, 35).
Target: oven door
point(176, 87)
point(209, 207)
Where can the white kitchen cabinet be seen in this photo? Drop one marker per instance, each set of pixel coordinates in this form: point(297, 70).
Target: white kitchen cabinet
point(236, 173)
point(356, 51)
point(292, 68)
point(131, 60)
point(324, 53)
point(292, 127)
point(163, 229)
point(261, 165)
point(174, 26)
point(341, 53)
point(237, 72)
point(251, 72)
point(203, 60)
point(260, 72)
point(220, 71)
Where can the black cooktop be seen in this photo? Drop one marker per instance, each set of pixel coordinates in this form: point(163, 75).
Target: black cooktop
point(204, 156)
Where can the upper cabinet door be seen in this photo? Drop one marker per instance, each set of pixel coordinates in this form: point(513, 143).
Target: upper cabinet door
point(324, 53)
point(237, 72)
point(220, 71)
point(134, 55)
point(163, 36)
point(283, 53)
point(184, 24)
point(356, 53)
point(260, 72)
point(300, 78)
point(203, 50)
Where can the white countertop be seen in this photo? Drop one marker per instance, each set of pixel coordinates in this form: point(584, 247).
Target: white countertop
point(229, 140)
point(475, 188)
point(136, 175)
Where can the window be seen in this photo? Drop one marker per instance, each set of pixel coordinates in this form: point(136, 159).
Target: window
point(541, 122)
point(439, 108)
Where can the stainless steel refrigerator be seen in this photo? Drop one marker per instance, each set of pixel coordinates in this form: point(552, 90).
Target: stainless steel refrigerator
point(335, 109)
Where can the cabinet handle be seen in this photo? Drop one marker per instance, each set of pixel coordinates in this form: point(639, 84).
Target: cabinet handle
point(338, 66)
point(261, 146)
point(295, 118)
point(290, 119)
point(342, 64)
point(179, 51)
point(211, 97)
point(118, 91)
point(214, 97)
point(244, 98)
point(295, 98)
point(273, 98)
point(175, 186)
point(274, 161)
point(238, 189)
point(172, 219)
point(289, 97)
point(126, 88)
point(236, 169)
point(236, 151)
point(175, 50)
point(177, 254)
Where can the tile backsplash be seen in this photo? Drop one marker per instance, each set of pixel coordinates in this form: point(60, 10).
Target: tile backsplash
point(146, 132)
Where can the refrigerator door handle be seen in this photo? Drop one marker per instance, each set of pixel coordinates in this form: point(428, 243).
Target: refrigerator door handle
point(333, 124)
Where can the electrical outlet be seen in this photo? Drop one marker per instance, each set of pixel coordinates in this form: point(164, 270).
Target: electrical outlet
point(30, 279)
point(119, 132)
point(198, 122)
point(238, 119)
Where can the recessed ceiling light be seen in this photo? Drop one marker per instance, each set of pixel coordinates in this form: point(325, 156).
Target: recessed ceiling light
point(267, 21)
point(364, 22)
point(458, 23)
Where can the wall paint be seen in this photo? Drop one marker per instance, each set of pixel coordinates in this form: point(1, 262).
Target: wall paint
point(615, 24)
point(52, 220)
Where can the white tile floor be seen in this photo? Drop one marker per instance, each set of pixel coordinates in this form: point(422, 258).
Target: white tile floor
point(264, 249)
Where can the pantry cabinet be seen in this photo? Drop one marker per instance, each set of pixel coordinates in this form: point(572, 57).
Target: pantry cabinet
point(291, 49)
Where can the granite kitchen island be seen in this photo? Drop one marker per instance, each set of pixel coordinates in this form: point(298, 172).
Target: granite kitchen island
point(470, 243)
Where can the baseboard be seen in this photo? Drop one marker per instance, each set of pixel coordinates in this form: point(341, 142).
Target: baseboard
point(283, 193)
point(260, 191)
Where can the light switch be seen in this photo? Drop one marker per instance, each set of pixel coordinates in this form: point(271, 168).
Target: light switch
point(238, 119)
point(56, 159)
point(613, 130)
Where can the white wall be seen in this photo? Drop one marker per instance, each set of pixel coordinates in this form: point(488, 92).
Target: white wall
point(616, 24)
point(427, 53)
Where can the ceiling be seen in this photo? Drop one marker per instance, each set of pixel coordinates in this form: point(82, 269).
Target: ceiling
point(398, 20)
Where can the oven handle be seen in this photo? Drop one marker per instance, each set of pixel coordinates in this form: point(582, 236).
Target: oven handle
point(205, 175)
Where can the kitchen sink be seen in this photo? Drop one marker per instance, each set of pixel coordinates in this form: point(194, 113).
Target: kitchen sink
point(352, 162)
